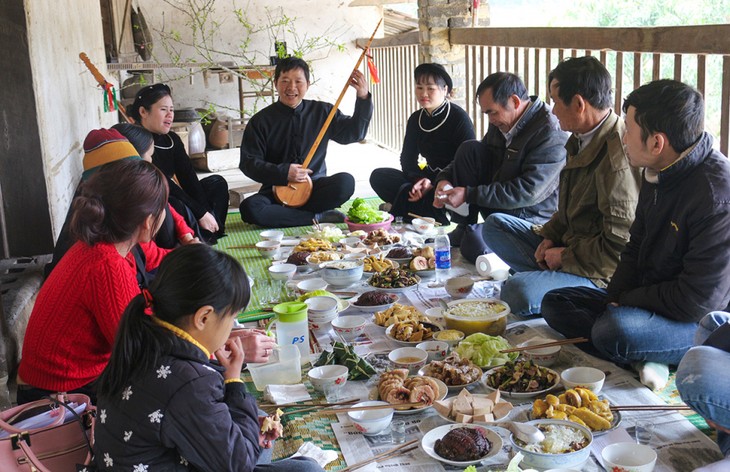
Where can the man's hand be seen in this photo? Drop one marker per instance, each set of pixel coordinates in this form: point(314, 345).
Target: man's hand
point(554, 258)
point(419, 189)
point(231, 357)
point(297, 173)
point(439, 198)
point(360, 84)
point(540, 253)
point(208, 222)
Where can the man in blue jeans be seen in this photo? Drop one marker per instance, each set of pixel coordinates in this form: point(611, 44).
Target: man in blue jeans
point(703, 387)
point(676, 265)
point(581, 243)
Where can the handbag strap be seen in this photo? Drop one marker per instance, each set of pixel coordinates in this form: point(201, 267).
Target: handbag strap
point(37, 465)
point(60, 399)
point(13, 413)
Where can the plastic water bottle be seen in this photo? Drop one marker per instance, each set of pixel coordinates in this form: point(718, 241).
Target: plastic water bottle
point(442, 248)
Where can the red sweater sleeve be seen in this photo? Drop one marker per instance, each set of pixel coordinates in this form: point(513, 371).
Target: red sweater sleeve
point(153, 254)
point(181, 226)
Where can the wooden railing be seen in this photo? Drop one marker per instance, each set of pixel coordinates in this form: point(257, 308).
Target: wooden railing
point(698, 55)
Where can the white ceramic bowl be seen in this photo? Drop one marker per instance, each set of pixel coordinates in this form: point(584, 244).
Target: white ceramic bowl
point(350, 241)
point(268, 248)
point(349, 327)
point(342, 273)
point(629, 456)
point(459, 287)
point(271, 235)
point(545, 356)
point(442, 335)
point(540, 460)
point(310, 285)
point(282, 271)
point(326, 376)
point(423, 225)
point(436, 350)
point(588, 377)
point(371, 422)
point(411, 358)
point(321, 310)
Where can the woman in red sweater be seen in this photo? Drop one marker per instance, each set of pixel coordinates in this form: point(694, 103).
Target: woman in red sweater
point(72, 327)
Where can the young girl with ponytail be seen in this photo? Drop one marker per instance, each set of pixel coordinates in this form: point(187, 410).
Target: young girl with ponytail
point(163, 405)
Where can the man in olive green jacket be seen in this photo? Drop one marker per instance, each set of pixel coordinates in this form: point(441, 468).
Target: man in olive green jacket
point(581, 244)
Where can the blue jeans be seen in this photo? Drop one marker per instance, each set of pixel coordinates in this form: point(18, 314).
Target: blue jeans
point(702, 381)
point(622, 334)
point(513, 240)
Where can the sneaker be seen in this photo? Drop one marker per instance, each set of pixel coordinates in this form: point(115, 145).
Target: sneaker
point(457, 235)
point(385, 206)
point(330, 216)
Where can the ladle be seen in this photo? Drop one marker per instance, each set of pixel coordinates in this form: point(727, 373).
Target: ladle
point(526, 433)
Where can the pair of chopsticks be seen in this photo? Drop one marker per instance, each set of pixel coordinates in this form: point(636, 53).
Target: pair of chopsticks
point(562, 342)
point(368, 408)
point(427, 218)
point(649, 407)
point(396, 451)
point(307, 403)
point(245, 246)
point(316, 224)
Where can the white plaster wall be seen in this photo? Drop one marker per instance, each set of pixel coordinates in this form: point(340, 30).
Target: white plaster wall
point(313, 18)
point(67, 99)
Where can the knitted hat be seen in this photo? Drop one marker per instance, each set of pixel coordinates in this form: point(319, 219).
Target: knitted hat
point(103, 146)
point(436, 70)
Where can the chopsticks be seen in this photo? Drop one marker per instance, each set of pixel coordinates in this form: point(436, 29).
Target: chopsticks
point(308, 403)
point(649, 407)
point(428, 218)
point(550, 344)
point(396, 451)
point(345, 294)
point(316, 224)
point(244, 246)
point(368, 408)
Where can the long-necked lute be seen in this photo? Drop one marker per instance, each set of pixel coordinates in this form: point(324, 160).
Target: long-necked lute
point(296, 194)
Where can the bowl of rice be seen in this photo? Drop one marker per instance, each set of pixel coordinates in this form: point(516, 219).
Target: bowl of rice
point(477, 315)
point(566, 445)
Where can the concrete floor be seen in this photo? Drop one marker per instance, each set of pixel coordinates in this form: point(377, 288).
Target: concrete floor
point(359, 159)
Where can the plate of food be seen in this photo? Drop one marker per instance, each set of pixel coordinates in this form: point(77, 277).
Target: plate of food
point(397, 313)
point(468, 408)
point(397, 387)
point(374, 300)
point(400, 254)
point(578, 405)
point(455, 372)
point(394, 281)
point(461, 445)
point(377, 264)
point(410, 333)
point(521, 379)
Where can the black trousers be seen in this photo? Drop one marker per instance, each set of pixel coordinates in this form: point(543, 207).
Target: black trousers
point(328, 193)
point(215, 188)
point(392, 186)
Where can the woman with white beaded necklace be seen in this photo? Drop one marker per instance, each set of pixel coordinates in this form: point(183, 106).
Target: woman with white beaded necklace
point(207, 199)
point(435, 132)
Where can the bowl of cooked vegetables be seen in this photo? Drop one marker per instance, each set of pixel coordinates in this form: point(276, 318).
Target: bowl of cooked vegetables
point(342, 273)
point(362, 216)
point(394, 280)
point(566, 445)
point(521, 379)
point(477, 315)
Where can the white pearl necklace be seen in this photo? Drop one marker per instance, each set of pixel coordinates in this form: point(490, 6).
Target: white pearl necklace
point(448, 110)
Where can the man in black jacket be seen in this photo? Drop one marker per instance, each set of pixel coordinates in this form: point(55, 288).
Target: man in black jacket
point(676, 266)
point(278, 138)
point(514, 169)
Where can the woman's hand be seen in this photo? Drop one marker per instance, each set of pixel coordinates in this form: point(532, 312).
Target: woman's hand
point(297, 173)
point(231, 357)
point(419, 189)
point(189, 239)
point(270, 435)
point(208, 222)
point(360, 84)
point(256, 345)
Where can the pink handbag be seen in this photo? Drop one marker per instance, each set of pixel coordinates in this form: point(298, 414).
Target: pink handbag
point(58, 447)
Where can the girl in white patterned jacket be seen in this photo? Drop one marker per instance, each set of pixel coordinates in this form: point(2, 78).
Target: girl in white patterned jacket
point(163, 406)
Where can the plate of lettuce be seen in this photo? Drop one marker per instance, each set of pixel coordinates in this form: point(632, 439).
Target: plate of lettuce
point(483, 350)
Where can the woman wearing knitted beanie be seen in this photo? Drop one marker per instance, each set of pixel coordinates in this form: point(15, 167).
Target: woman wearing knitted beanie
point(74, 320)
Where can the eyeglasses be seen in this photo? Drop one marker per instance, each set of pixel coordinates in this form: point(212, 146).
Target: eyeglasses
point(153, 88)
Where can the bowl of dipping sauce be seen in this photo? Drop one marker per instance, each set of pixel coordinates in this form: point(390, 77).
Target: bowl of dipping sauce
point(411, 358)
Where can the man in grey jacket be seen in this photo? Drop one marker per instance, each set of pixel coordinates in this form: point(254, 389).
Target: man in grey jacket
point(514, 169)
point(676, 266)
